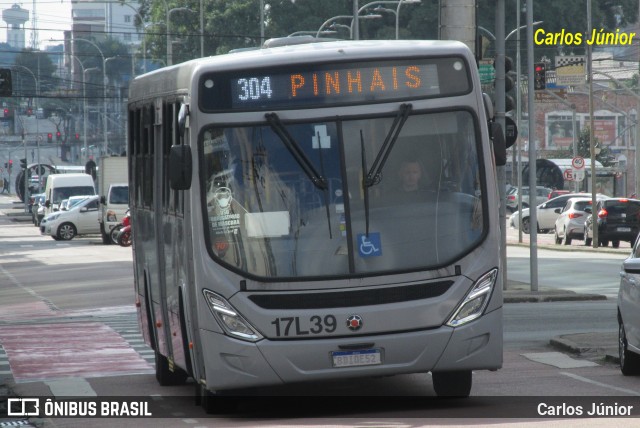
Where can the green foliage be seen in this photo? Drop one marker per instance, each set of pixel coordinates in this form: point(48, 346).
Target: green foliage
point(236, 24)
point(41, 67)
point(605, 156)
point(567, 15)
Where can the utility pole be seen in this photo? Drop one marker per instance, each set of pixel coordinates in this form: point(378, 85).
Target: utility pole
point(533, 212)
point(458, 21)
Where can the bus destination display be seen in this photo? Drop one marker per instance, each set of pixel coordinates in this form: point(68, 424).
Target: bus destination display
point(323, 85)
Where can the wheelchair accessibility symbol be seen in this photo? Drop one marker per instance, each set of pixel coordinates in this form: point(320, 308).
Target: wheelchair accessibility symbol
point(369, 246)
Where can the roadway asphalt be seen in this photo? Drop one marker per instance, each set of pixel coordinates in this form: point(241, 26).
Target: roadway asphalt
point(604, 344)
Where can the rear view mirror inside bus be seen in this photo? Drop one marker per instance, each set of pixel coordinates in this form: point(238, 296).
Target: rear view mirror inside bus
point(180, 167)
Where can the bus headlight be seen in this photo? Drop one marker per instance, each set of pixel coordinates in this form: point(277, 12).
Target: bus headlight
point(476, 301)
point(229, 319)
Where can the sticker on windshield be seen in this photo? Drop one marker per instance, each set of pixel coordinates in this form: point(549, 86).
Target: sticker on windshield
point(369, 245)
point(320, 138)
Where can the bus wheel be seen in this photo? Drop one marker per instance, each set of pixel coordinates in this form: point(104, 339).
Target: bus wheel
point(165, 376)
point(452, 384)
point(214, 403)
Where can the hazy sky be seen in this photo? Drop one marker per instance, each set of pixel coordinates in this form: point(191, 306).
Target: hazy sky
point(54, 17)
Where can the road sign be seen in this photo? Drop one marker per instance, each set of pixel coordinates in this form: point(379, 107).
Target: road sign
point(544, 97)
point(578, 174)
point(577, 162)
point(568, 174)
point(570, 70)
point(487, 72)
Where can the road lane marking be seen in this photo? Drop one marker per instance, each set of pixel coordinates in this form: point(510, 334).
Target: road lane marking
point(71, 387)
point(604, 385)
point(558, 359)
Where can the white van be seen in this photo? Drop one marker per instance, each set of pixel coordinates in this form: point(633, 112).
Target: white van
point(63, 186)
point(113, 205)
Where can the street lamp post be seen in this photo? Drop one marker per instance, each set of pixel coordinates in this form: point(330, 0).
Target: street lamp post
point(104, 87)
point(85, 117)
point(395, 12)
point(24, 141)
point(351, 27)
point(310, 33)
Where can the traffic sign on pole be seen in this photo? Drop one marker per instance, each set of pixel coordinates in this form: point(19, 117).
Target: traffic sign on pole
point(568, 174)
point(577, 162)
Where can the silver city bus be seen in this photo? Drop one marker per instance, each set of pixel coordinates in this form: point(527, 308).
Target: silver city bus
point(318, 211)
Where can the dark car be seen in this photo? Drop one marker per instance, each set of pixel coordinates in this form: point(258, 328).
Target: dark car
point(618, 220)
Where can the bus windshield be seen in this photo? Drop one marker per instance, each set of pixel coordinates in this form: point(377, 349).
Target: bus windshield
point(298, 208)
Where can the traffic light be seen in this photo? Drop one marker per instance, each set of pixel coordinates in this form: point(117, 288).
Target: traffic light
point(510, 91)
point(23, 163)
point(58, 136)
point(5, 82)
point(6, 112)
point(49, 137)
point(77, 136)
point(539, 76)
point(10, 165)
point(29, 112)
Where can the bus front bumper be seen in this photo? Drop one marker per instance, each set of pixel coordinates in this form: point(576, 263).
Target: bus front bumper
point(234, 364)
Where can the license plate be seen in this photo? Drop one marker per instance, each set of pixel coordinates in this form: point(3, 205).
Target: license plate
point(624, 229)
point(365, 357)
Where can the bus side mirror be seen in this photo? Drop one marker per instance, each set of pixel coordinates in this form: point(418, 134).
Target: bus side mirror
point(180, 167)
point(499, 144)
point(182, 119)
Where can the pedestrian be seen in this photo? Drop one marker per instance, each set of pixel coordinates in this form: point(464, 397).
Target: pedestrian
point(5, 185)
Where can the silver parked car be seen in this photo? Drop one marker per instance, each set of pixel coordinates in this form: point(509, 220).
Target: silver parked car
point(547, 212)
point(629, 313)
point(570, 223)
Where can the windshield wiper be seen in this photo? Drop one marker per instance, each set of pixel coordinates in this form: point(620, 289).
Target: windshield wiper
point(294, 148)
point(303, 160)
point(375, 173)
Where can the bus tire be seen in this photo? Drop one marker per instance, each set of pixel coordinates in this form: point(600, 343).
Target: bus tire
point(164, 374)
point(452, 384)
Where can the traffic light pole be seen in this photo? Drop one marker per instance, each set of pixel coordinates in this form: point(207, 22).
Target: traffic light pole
point(25, 175)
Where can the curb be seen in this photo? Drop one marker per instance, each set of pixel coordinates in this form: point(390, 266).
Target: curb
point(589, 345)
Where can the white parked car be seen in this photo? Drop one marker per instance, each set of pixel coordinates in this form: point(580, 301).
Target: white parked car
point(547, 212)
point(542, 194)
point(72, 202)
point(82, 219)
point(570, 223)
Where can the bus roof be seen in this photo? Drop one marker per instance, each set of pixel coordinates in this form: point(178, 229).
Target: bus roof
point(178, 78)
